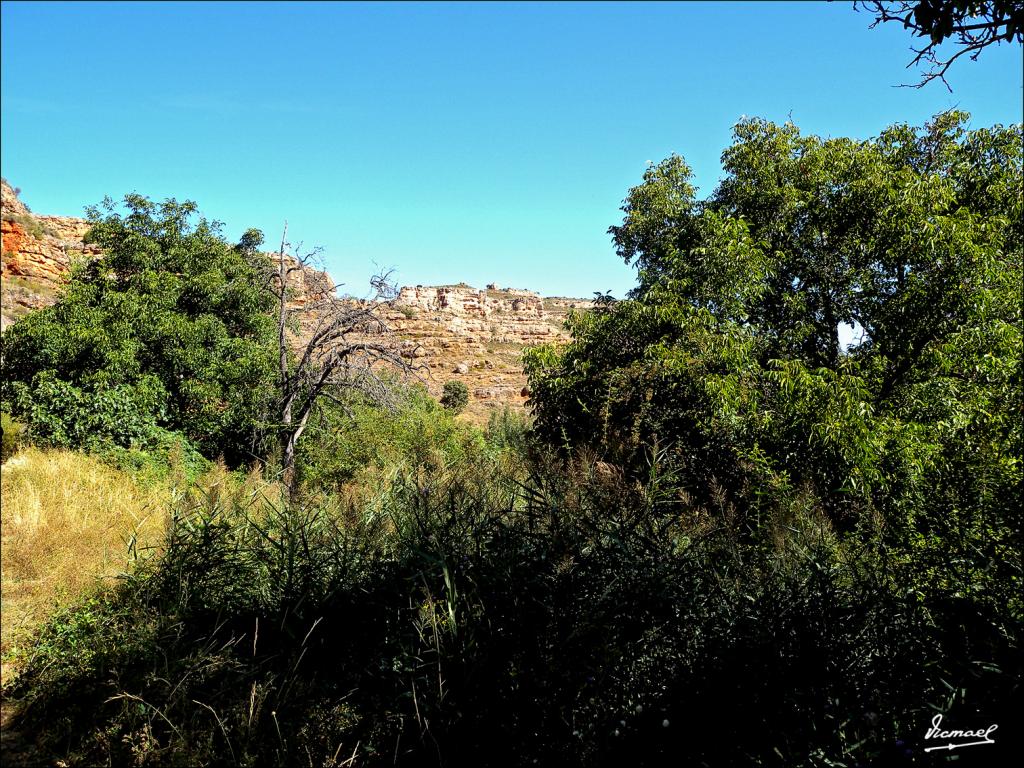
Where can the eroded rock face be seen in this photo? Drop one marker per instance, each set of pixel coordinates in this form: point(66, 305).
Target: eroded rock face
point(37, 253)
point(478, 336)
point(10, 203)
point(307, 285)
point(464, 300)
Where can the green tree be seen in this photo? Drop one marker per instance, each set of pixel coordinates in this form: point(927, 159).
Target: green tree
point(169, 329)
point(728, 357)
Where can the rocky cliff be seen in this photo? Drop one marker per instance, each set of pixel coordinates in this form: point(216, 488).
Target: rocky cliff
point(454, 331)
point(477, 336)
point(37, 252)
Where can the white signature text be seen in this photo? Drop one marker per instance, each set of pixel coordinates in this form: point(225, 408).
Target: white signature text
point(936, 732)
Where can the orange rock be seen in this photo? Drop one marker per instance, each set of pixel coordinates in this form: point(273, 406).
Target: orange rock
point(12, 237)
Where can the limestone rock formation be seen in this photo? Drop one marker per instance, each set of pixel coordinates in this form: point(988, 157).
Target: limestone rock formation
point(479, 336)
point(464, 300)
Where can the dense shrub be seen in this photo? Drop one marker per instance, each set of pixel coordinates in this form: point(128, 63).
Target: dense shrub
point(455, 396)
point(357, 435)
point(508, 430)
point(63, 415)
point(11, 435)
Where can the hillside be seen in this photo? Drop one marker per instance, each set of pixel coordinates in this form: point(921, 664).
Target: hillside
point(37, 253)
point(455, 331)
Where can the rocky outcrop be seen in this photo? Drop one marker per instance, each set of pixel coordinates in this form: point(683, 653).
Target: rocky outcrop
point(306, 285)
point(37, 253)
point(467, 301)
point(478, 336)
point(10, 203)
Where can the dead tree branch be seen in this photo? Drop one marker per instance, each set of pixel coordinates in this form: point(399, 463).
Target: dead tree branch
point(328, 346)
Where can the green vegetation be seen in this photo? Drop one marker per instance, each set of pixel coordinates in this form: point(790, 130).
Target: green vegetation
point(728, 354)
point(508, 429)
point(356, 442)
point(169, 331)
point(11, 435)
point(455, 396)
point(724, 538)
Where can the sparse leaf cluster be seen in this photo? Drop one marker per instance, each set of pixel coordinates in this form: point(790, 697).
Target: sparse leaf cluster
point(973, 25)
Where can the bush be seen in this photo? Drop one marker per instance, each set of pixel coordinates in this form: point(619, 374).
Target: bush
point(455, 396)
point(358, 439)
point(508, 430)
point(62, 415)
point(161, 455)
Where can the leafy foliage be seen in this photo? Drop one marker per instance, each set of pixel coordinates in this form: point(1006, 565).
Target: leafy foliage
point(729, 354)
point(508, 429)
point(455, 396)
point(169, 329)
point(357, 436)
point(11, 434)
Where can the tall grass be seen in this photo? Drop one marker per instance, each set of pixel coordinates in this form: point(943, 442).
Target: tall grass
point(69, 521)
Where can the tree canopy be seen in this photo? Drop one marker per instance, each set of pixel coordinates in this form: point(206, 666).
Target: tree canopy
point(729, 355)
point(170, 329)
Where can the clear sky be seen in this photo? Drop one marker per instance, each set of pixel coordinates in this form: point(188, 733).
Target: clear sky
point(478, 142)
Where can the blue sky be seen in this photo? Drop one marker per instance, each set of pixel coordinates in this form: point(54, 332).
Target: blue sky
point(477, 142)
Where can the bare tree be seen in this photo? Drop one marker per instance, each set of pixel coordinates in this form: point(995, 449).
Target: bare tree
point(336, 346)
point(975, 25)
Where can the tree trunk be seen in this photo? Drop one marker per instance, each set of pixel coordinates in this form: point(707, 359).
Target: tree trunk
point(290, 439)
point(287, 437)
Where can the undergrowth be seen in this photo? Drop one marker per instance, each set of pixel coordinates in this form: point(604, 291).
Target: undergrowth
point(509, 613)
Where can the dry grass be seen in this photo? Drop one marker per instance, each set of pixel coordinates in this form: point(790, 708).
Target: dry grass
point(69, 521)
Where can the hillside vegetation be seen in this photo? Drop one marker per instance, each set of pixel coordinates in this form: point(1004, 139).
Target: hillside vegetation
point(724, 537)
